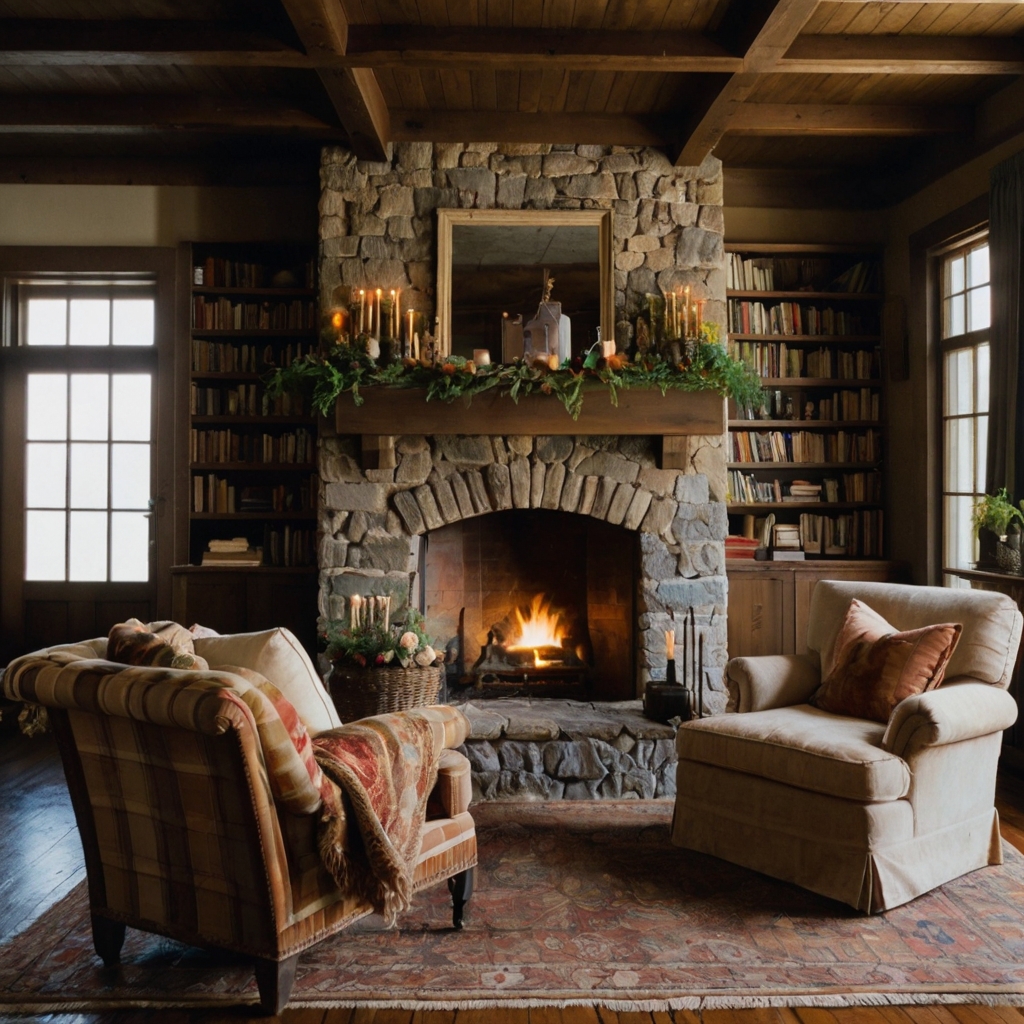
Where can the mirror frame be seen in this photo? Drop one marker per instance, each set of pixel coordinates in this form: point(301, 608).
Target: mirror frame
point(447, 219)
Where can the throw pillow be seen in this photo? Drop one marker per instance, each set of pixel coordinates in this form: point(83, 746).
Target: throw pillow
point(282, 737)
point(277, 655)
point(874, 666)
point(133, 643)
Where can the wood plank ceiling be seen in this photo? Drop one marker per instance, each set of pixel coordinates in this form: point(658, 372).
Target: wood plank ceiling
point(855, 101)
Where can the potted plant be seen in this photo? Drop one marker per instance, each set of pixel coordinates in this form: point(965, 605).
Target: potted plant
point(380, 665)
point(997, 514)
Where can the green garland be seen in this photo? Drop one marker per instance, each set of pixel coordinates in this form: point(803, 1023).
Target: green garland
point(347, 368)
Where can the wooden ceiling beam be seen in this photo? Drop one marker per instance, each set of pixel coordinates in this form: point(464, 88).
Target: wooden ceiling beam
point(766, 30)
point(847, 119)
point(149, 113)
point(486, 126)
point(490, 49)
point(323, 27)
point(904, 55)
point(53, 42)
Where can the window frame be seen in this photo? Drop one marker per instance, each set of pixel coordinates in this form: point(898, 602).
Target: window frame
point(961, 245)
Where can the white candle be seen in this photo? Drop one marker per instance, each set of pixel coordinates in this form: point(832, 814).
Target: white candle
point(607, 348)
point(416, 345)
point(411, 314)
point(362, 310)
point(379, 295)
point(482, 356)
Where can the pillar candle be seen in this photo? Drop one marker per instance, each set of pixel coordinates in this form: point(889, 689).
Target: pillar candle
point(686, 310)
point(362, 310)
point(482, 356)
point(416, 345)
point(379, 295)
point(670, 644)
point(411, 314)
point(607, 348)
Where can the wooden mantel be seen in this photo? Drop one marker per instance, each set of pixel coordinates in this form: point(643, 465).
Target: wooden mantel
point(387, 412)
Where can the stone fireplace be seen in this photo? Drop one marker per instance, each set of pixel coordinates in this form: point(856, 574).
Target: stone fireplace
point(422, 530)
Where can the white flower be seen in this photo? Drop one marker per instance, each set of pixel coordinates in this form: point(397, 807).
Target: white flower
point(388, 655)
point(426, 657)
point(410, 641)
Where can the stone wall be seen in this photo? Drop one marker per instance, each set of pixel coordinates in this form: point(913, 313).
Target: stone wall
point(378, 229)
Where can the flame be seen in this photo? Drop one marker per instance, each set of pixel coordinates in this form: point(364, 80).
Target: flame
point(540, 627)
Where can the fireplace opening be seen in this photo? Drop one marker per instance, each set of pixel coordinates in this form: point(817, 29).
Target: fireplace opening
point(534, 602)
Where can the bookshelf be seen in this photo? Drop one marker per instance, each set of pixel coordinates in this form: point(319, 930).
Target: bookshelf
point(808, 319)
point(251, 459)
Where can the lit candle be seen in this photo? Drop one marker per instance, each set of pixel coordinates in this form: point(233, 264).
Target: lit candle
point(362, 310)
point(416, 345)
point(411, 314)
point(392, 322)
point(380, 294)
point(608, 348)
point(670, 644)
point(686, 310)
point(396, 314)
point(482, 356)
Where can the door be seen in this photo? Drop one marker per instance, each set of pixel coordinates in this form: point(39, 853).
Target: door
point(80, 432)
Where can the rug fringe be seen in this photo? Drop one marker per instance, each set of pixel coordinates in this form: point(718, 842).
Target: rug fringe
point(662, 1005)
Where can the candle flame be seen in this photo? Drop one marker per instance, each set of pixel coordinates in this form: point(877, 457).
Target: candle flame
point(539, 627)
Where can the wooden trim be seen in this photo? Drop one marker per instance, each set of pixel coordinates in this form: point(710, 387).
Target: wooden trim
point(756, 119)
point(795, 247)
point(639, 412)
point(447, 219)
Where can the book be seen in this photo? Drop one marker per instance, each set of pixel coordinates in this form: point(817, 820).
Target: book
point(788, 556)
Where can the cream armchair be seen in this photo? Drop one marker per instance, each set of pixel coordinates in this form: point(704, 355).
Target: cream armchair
point(869, 814)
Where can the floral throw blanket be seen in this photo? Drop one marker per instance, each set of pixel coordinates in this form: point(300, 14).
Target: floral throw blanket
point(385, 768)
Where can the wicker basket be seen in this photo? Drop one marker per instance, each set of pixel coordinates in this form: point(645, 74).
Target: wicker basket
point(361, 692)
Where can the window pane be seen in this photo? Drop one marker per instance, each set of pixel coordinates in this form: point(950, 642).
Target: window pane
point(959, 455)
point(954, 275)
point(46, 322)
point(980, 312)
point(131, 414)
point(953, 320)
point(129, 546)
point(959, 382)
point(88, 554)
point(47, 401)
point(130, 476)
point(133, 321)
point(89, 406)
point(44, 545)
point(46, 475)
point(977, 267)
point(983, 376)
point(90, 322)
point(960, 541)
point(88, 476)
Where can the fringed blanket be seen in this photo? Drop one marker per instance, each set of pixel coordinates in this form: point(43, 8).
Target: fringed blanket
point(385, 767)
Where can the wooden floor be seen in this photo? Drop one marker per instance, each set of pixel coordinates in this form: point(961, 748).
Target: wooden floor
point(41, 860)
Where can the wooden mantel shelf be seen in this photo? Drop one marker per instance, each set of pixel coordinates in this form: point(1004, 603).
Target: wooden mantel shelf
point(640, 411)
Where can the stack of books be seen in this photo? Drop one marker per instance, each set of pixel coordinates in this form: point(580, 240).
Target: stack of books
point(232, 552)
point(786, 543)
point(803, 490)
point(740, 547)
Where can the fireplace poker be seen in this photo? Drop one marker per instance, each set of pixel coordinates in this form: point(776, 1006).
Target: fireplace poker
point(700, 672)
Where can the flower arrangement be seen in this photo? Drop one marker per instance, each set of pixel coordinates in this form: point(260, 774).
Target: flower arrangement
point(347, 366)
point(369, 639)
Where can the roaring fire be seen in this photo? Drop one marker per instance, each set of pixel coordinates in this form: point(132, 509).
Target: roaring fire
point(540, 627)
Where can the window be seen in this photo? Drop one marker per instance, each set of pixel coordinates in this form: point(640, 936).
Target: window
point(966, 314)
point(88, 435)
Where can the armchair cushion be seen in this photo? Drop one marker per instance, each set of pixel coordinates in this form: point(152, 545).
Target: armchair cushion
point(134, 643)
point(874, 667)
point(277, 655)
point(800, 746)
point(962, 711)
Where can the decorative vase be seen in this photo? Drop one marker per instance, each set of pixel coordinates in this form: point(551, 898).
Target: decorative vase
point(1008, 554)
point(361, 692)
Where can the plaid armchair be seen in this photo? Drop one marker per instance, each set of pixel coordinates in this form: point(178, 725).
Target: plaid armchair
point(181, 833)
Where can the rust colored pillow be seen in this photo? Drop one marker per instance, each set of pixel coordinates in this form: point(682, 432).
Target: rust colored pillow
point(874, 667)
point(132, 643)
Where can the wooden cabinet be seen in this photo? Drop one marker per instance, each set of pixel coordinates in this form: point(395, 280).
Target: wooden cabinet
point(769, 602)
point(247, 600)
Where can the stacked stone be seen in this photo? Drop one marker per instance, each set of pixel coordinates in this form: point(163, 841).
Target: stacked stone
point(568, 750)
point(371, 521)
point(378, 224)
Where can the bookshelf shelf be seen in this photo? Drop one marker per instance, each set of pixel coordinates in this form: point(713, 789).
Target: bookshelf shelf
point(277, 293)
point(256, 467)
point(252, 517)
point(254, 332)
point(304, 421)
point(831, 401)
point(225, 375)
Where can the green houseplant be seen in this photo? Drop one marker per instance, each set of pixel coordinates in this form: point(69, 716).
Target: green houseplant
point(997, 514)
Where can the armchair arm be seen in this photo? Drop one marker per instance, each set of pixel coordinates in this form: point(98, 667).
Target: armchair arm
point(949, 714)
point(772, 681)
point(454, 788)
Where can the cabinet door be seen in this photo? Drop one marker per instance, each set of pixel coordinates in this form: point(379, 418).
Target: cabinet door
point(214, 599)
point(760, 613)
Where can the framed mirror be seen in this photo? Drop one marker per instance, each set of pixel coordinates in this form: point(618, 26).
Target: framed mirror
point(493, 269)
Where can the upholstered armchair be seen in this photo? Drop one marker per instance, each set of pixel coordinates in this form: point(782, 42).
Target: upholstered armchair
point(180, 827)
point(868, 813)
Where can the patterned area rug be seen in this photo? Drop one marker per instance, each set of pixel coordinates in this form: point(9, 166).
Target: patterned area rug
point(580, 903)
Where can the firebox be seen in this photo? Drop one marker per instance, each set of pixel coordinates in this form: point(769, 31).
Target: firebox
point(535, 601)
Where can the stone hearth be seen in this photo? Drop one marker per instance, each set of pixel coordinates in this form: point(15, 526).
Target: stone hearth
point(568, 750)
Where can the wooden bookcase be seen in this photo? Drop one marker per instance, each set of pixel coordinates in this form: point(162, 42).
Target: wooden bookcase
point(818, 349)
point(251, 460)
point(825, 351)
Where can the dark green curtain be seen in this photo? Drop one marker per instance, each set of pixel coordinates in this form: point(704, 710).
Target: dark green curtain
point(1006, 395)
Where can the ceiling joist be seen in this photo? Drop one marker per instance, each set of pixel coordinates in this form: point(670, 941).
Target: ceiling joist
point(847, 119)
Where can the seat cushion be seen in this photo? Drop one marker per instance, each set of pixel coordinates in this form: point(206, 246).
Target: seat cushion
point(278, 655)
point(803, 747)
